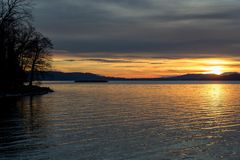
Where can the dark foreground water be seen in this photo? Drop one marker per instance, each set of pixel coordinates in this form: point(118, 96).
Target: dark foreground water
point(120, 121)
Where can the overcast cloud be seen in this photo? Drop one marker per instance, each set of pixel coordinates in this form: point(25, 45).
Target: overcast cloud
point(148, 28)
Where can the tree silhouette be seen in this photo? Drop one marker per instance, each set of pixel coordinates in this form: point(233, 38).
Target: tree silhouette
point(22, 48)
point(40, 58)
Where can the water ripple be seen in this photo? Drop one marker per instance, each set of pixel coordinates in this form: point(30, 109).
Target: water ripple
point(124, 121)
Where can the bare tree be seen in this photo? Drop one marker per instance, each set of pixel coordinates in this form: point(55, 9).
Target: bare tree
point(41, 58)
point(14, 11)
point(22, 48)
point(14, 15)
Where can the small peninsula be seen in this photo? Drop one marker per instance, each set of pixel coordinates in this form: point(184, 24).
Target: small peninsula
point(24, 91)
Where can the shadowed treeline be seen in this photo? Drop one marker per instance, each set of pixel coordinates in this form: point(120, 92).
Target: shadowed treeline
point(22, 48)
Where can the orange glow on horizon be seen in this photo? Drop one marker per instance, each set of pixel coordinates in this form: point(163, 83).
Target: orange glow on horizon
point(144, 68)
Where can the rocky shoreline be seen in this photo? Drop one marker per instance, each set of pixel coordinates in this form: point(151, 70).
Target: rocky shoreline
point(25, 91)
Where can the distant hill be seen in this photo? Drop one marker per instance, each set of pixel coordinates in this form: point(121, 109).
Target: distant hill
point(206, 77)
point(76, 76)
point(73, 76)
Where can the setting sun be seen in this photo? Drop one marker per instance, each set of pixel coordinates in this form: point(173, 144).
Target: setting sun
point(218, 70)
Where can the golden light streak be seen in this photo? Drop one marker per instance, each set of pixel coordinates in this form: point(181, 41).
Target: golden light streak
point(218, 70)
point(145, 68)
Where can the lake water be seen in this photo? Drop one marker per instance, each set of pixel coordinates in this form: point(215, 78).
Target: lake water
point(124, 121)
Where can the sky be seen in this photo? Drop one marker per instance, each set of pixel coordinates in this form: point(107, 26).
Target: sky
point(142, 38)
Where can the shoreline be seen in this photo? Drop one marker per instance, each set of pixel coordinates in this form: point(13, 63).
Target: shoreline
point(25, 91)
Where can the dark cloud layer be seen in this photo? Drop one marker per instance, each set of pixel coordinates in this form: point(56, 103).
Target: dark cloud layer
point(169, 28)
point(101, 60)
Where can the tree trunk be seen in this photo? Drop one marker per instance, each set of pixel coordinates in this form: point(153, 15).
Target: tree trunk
point(31, 79)
point(31, 75)
point(36, 56)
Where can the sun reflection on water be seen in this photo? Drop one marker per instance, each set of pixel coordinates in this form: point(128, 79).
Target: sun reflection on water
point(132, 121)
